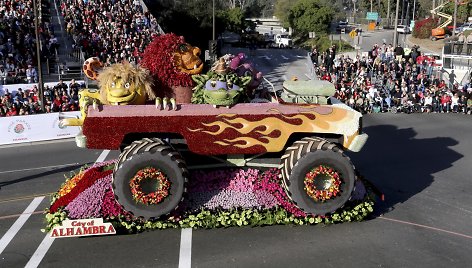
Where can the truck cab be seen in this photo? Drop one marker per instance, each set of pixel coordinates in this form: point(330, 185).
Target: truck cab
point(283, 41)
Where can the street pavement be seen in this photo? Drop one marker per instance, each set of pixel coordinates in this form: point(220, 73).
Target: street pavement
point(421, 162)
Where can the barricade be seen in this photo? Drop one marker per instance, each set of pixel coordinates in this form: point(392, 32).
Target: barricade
point(40, 127)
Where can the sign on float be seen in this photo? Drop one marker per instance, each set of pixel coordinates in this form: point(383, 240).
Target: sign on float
point(87, 227)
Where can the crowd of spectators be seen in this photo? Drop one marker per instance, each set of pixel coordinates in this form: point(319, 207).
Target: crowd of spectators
point(61, 97)
point(18, 42)
point(113, 32)
point(393, 79)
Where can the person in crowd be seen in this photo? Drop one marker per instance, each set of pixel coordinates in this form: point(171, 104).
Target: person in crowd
point(468, 44)
point(460, 43)
point(3, 75)
point(31, 75)
point(399, 53)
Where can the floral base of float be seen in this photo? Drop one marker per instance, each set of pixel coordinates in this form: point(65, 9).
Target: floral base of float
point(215, 198)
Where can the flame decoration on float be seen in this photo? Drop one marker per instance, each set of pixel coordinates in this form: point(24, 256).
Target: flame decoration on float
point(266, 132)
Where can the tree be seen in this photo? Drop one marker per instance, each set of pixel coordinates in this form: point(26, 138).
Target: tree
point(232, 19)
point(191, 19)
point(282, 8)
point(310, 15)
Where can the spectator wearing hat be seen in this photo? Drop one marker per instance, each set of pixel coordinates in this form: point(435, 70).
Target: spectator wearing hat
point(31, 75)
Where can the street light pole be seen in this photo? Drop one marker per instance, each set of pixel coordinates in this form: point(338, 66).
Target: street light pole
point(213, 15)
point(38, 56)
point(414, 10)
point(455, 19)
point(395, 33)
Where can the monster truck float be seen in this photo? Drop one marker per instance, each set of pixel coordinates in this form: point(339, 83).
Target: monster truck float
point(303, 132)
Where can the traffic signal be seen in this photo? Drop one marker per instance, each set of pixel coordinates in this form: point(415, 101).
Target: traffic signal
point(213, 48)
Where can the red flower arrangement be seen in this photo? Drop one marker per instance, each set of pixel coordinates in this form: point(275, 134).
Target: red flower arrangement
point(152, 198)
point(88, 179)
point(326, 175)
point(158, 59)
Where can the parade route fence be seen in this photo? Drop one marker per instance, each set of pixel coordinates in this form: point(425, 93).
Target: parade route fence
point(32, 128)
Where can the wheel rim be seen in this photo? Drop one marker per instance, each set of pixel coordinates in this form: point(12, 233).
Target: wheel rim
point(322, 183)
point(149, 186)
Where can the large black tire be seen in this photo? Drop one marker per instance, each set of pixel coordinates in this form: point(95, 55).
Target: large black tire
point(306, 154)
point(149, 153)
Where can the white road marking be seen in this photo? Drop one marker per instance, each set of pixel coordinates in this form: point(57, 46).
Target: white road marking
point(43, 248)
point(285, 58)
point(10, 234)
point(40, 252)
point(102, 156)
point(185, 255)
point(29, 169)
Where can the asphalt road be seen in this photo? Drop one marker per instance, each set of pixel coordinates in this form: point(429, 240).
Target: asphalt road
point(276, 65)
point(421, 162)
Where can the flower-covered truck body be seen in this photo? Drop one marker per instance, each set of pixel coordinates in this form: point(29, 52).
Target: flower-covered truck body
point(295, 130)
point(246, 128)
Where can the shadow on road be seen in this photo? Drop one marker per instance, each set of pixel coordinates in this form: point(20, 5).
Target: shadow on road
point(400, 165)
point(58, 171)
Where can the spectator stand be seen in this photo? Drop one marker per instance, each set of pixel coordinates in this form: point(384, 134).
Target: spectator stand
point(17, 39)
point(23, 99)
point(111, 32)
point(382, 81)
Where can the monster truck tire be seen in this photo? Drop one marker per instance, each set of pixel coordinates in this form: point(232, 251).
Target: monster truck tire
point(303, 156)
point(149, 153)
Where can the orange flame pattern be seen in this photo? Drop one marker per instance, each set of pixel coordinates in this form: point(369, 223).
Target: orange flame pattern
point(273, 131)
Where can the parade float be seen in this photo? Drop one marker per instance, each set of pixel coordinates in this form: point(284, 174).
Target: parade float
point(222, 160)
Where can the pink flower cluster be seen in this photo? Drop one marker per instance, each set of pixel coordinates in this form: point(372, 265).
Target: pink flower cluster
point(111, 208)
point(270, 181)
point(237, 188)
point(89, 203)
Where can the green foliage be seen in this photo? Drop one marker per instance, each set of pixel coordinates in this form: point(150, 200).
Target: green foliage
point(323, 43)
point(230, 218)
point(233, 19)
point(310, 15)
point(463, 11)
point(54, 219)
point(250, 217)
point(282, 8)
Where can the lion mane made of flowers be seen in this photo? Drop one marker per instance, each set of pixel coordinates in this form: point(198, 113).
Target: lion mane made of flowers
point(171, 61)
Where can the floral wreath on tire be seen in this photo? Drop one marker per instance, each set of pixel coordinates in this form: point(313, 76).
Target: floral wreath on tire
point(152, 198)
point(334, 182)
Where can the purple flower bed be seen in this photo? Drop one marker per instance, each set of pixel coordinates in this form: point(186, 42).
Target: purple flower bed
point(88, 204)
